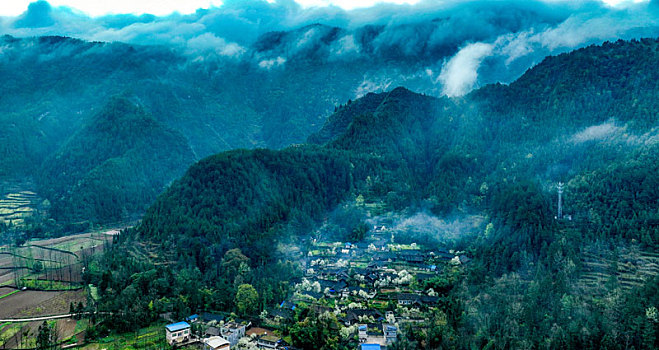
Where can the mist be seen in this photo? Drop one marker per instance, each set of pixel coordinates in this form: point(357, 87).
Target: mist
point(422, 227)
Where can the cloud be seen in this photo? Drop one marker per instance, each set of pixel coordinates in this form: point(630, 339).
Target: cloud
point(208, 42)
point(595, 133)
point(272, 63)
point(345, 46)
point(38, 15)
point(425, 227)
point(460, 73)
point(463, 44)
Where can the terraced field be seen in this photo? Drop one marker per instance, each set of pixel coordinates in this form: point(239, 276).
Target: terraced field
point(630, 267)
point(17, 204)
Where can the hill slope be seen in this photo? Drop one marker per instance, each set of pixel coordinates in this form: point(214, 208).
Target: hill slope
point(442, 151)
point(114, 166)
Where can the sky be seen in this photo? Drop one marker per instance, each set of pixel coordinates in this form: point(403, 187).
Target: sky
point(166, 7)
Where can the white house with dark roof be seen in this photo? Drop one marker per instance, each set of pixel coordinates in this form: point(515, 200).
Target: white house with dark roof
point(233, 331)
point(177, 332)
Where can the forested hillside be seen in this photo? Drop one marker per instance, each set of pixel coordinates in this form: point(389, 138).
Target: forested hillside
point(54, 87)
point(497, 153)
point(113, 166)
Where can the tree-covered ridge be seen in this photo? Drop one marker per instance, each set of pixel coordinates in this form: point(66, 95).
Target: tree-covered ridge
point(240, 199)
point(114, 166)
point(447, 153)
point(339, 121)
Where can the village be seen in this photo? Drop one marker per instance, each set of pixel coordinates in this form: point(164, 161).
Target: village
point(375, 288)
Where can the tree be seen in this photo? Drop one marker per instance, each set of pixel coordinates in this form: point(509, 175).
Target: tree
point(46, 337)
point(247, 300)
point(316, 332)
point(232, 261)
point(359, 232)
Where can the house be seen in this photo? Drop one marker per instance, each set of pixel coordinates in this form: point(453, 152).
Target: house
point(257, 332)
point(208, 317)
point(353, 290)
point(362, 329)
point(177, 332)
point(216, 343)
point(384, 256)
point(412, 256)
point(192, 318)
point(444, 256)
point(333, 287)
point(390, 332)
point(407, 299)
point(313, 295)
point(415, 299)
point(370, 347)
point(352, 316)
point(268, 342)
point(232, 332)
point(281, 315)
point(287, 305)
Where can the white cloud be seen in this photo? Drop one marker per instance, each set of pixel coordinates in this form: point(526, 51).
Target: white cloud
point(345, 46)
point(373, 84)
point(350, 4)
point(271, 63)
point(595, 132)
point(460, 73)
point(208, 42)
point(104, 7)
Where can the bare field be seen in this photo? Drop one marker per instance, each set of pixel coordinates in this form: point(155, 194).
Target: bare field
point(18, 304)
point(5, 291)
point(32, 303)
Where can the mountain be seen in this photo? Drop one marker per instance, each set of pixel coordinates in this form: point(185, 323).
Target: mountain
point(54, 87)
point(584, 118)
point(113, 166)
point(445, 152)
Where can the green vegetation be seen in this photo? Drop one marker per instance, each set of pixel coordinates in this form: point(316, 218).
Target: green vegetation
point(586, 118)
point(152, 337)
point(247, 299)
point(8, 294)
point(55, 87)
point(114, 166)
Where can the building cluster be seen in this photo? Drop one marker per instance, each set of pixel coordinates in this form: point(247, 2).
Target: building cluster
point(373, 288)
point(215, 332)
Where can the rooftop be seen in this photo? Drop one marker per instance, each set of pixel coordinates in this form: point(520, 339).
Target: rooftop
point(175, 327)
point(213, 331)
point(270, 338)
point(216, 342)
point(257, 331)
point(232, 326)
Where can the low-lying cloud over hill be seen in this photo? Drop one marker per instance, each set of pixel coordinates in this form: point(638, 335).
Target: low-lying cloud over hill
point(454, 46)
